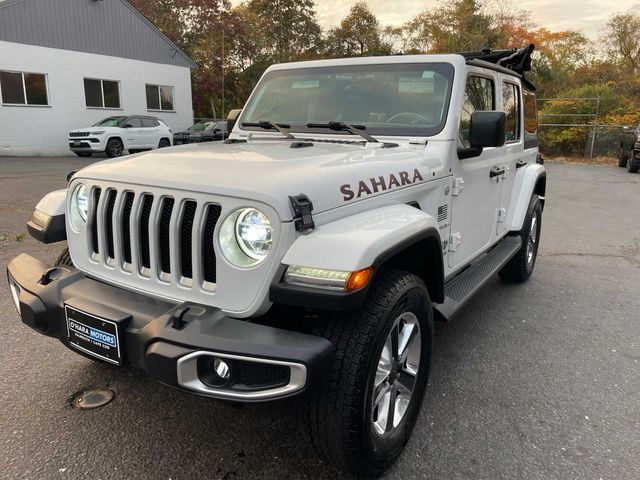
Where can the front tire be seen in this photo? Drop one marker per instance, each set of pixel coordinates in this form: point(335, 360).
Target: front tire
point(114, 148)
point(633, 165)
point(364, 418)
point(164, 143)
point(521, 266)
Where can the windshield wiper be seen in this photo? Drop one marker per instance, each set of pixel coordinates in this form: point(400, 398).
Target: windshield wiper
point(267, 125)
point(345, 127)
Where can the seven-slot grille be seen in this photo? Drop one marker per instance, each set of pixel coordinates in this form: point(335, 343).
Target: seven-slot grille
point(154, 235)
point(79, 134)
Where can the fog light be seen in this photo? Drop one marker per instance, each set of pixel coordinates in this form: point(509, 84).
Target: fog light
point(221, 368)
point(15, 293)
point(213, 371)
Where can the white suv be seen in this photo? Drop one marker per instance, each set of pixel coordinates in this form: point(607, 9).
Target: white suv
point(114, 135)
point(355, 202)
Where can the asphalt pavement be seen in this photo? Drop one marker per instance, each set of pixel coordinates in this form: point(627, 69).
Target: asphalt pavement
point(539, 380)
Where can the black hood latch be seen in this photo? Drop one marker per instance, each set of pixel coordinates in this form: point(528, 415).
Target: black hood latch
point(302, 208)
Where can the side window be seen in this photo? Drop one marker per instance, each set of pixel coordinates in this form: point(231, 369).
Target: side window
point(478, 95)
point(149, 122)
point(134, 122)
point(511, 106)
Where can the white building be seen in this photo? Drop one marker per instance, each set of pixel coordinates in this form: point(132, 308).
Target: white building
point(67, 64)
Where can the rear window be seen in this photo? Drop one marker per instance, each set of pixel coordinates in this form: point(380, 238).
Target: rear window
point(530, 113)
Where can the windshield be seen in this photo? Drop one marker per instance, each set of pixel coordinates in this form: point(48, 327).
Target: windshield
point(398, 99)
point(111, 122)
point(200, 126)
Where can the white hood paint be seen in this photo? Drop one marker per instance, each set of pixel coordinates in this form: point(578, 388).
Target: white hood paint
point(268, 170)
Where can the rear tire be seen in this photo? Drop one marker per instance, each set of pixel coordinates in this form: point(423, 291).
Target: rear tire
point(351, 428)
point(114, 148)
point(520, 267)
point(84, 154)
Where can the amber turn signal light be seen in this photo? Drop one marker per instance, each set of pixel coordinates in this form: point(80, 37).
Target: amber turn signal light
point(358, 279)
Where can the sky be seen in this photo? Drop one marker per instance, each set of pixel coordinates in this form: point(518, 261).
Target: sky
point(590, 16)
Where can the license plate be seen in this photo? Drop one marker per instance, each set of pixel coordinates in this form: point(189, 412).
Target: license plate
point(93, 335)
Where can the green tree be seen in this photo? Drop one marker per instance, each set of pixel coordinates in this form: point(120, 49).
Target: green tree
point(286, 29)
point(358, 34)
point(622, 40)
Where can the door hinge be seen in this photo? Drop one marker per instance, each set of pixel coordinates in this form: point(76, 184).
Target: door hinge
point(458, 186)
point(454, 241)
point(502, 215)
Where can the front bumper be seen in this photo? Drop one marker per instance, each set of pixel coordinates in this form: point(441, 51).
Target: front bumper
point(175, 353)
point(83, 144)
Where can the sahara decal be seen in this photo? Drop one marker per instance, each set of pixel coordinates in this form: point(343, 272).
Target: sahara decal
point(379, 184)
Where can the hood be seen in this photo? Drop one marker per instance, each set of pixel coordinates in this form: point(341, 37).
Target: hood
point(269, 171)
point(95, 129)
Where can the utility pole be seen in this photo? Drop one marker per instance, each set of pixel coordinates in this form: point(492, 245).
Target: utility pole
point(222, 107)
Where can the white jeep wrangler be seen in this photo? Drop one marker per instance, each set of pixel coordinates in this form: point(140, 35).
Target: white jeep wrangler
point(355, 202)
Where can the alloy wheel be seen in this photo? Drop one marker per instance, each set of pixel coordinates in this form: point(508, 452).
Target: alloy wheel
point(396, 374)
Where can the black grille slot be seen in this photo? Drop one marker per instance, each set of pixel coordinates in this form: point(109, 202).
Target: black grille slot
point(144, 231)
point(163, 234)
point(208, 253)
point(186, 233)
point(94, 221)
point(126, 226)
point(108, 222)
point(254, 375)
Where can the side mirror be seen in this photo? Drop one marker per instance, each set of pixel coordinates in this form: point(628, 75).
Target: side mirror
point(232, 118)
point(487, 129)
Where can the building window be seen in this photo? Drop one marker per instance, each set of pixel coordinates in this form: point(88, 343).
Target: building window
point(101, 93)
point(159, 97)
point(478, 96)
point(511, 106)
point(21, 88)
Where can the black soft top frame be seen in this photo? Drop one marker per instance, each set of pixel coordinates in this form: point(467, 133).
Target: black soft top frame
point(515, 61)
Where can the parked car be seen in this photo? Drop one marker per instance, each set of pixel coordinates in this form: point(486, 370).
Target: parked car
point(114, 135)
point(630, 149)
point(202, 132)
point(355, 202)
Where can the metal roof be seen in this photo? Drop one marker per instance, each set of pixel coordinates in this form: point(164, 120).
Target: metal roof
point(104, 27)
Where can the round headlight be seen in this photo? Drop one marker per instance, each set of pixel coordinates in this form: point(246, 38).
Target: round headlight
point(82, 202)
point(79, 206)
point(246, 237)
point(253, 232)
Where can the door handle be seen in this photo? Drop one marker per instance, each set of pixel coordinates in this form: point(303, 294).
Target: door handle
point(496, 172)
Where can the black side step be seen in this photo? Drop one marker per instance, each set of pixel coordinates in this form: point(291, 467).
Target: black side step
point(459, 290)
